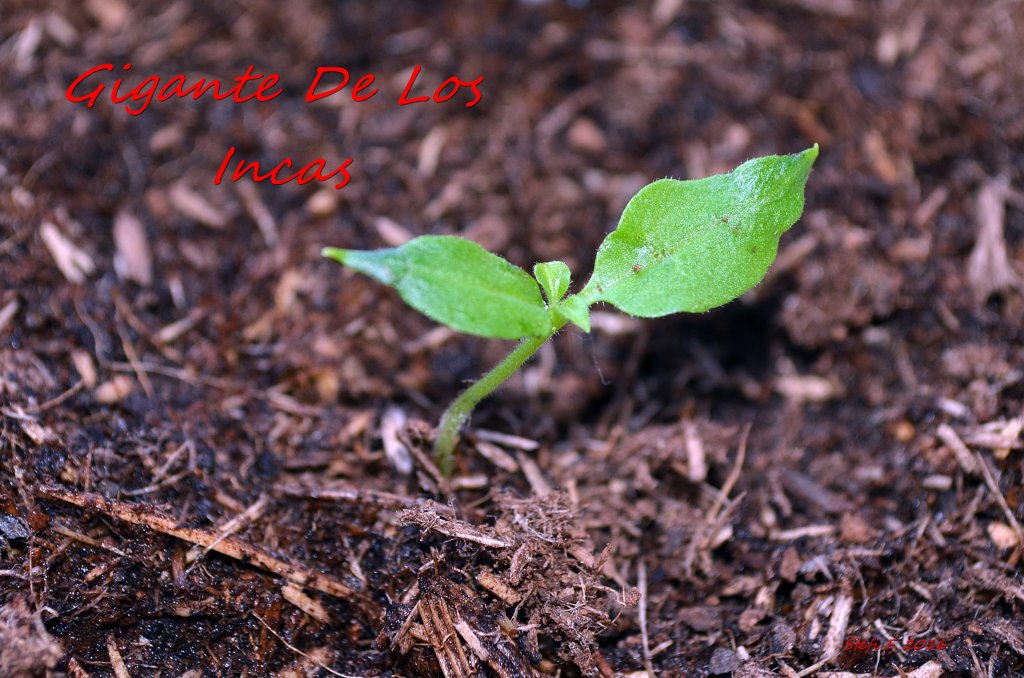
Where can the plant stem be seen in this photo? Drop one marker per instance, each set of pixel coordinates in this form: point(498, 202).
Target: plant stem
point(458, 412)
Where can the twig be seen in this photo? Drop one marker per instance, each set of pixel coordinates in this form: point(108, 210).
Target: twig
point(57, 400)
point(733, 477)
point(297, 650)
point(810, 669)
point(231, 547)
point(704, 532)
point(517, 442)
point(890, 638)
point(85, 539)
point(641, 584)
point(8, 312)
point(837, 625)
point(957, 447)
point(427, 519)
point(250, 514)
point(179, 374)
point(696, 459)
point(990, 480)
point(361, 496)
point(802, 532)
point(534, 476)
point(133, 360)
point(116, 661)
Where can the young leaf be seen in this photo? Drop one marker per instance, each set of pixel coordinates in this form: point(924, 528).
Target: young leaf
point(694, 245)
point(554, 277)
point(575, 310)
point(458, 283)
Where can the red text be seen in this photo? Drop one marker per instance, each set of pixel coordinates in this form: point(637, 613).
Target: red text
point(855, 644)
point(448, 89)
point(143, 93)
point(312, 171)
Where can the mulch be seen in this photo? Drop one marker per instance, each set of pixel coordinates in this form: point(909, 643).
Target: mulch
point(214, 444)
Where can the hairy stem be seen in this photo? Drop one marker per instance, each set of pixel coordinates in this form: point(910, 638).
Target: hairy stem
point(455, 417)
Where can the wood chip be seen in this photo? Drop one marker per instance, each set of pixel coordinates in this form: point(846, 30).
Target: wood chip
point(492, 583)
point(169, 333)
point(1002, 535)
point(132, 259)
point(803, 388)
point(886, 167)
point(930, 669)
point(989, 269)
point(397, 454)
point(323, 203)
point(437, 618)
point(955, 445)
point(789, 568)
point(116, 661)
point(534, 476)
point(451, 612)
point(807, 491)
point(1007, 632)
point(855, 530)
point(810, 531)
point(507, 440)
point(196, 207)
point(430, 151)
point(472, 640)
point(838, 623)
point(496, 456)
point(391, 232)
point(7, 313)
point(110, 14)
point(586, 137)
point(937, 482)
point(72, 261)
point(696, 459)
point(297, 597)
point(255, 208)
point(427, 519)
point(38, 434)
point(75, 669)
point(167, 138)
point(115, 390)
point(996, 581)
point(929, 207)
point(702, 618)
point(84, 365)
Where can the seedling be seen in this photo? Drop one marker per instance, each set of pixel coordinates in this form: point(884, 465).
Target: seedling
point(680, 246)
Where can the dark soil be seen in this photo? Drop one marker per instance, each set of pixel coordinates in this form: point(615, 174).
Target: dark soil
point(213, 449)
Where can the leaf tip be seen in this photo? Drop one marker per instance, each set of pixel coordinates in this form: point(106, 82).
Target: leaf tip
point(806, 158)
point(335, 253)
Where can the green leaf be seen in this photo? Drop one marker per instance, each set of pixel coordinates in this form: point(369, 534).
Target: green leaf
point(554, 277)
point(458, 283)
point(694, 245)
point(575, 310)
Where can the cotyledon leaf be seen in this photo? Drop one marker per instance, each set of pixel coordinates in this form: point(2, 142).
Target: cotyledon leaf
point(458, 283)
point(694, 245)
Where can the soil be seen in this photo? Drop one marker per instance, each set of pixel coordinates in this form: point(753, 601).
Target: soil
point(214, 449)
